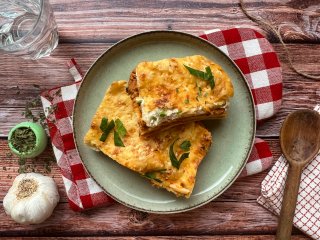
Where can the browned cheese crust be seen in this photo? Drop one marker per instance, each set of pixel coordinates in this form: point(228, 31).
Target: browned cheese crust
point(149, 154)
point(209, 113)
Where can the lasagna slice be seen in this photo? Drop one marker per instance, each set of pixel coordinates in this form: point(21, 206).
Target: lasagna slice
point(173, 91)
point(169, 159)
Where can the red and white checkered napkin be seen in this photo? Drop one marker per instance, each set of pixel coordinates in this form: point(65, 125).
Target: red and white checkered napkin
point(255, 56)
point(84, 193)
point(307, 214)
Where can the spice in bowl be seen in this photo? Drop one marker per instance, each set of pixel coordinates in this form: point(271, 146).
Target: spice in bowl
point(27, 139)
point(23, 139)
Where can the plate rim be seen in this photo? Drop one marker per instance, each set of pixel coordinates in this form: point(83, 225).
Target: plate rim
point(251, 104)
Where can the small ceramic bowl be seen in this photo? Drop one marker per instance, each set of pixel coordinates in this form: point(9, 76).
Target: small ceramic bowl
point(41, 139)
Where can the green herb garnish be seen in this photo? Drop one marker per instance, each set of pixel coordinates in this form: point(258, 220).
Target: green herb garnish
point(207, 75)
point(120, 128)
point(162, 113)
point(210, 77)
point(107, 130)
point(183, 157)
point(185, 145)
point(174, 161)
point(119, 131)
point(117, 140)
point(186, 101)
point(177, 90)
point(173, 158)
point(139, 102)
point(104, 124)
point(31, 107)
point(152, 176)
point(23, 140)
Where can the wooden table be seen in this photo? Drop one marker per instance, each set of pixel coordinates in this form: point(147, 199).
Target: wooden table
point(88, 28)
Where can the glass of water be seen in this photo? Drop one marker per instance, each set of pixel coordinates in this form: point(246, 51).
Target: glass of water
point(27, 28)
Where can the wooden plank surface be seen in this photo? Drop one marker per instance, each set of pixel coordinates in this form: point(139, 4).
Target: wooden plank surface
point(222, 237)
point(214, 218)
point(245, 189)
point(236, 210)
point(88, 28)
point(16, 85)
point(109, 21)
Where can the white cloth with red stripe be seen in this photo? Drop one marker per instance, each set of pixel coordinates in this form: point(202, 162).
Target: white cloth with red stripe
point(251, 52)
point(307, 214)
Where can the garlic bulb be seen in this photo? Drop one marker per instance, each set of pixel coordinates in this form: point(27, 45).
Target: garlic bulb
point(31, 199)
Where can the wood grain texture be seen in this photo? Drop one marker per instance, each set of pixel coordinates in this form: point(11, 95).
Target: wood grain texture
point(109, 21)
point(87, 28)
point(16, 85)
point(235, 211)
point(222, 237)
point(214, 218)
point(244, 189)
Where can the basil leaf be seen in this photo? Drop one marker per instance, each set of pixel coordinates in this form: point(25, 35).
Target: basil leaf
point(117, 140)
point(210, 77)
point(183, 157)
point(107, 131)
point(173, 158)
point(185, 145)
point(103, 137)
point(152, 175)
point(196, 72)
point(120, 128)
point(104, 124)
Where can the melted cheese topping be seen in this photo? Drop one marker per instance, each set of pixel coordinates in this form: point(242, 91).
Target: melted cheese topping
point(167, 85)
point(149, 154)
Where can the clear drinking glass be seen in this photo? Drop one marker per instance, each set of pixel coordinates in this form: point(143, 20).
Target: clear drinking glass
point(27, 28)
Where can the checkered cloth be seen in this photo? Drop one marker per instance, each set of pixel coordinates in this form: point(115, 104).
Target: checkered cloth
point(82, 191)
point(307, 214)
point(255, 56)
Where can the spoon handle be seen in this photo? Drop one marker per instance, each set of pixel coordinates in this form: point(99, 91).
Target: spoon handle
point(289, 202)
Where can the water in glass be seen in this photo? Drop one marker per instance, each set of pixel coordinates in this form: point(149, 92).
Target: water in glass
point(27, 28)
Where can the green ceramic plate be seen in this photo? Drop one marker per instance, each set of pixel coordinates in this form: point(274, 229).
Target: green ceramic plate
point(232, 137)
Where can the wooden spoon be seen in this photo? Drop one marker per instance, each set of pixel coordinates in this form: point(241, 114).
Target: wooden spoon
point(300, 142)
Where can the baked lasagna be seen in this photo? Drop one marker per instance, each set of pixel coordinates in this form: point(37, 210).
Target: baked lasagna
point(168, 159)
point(174, 91)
